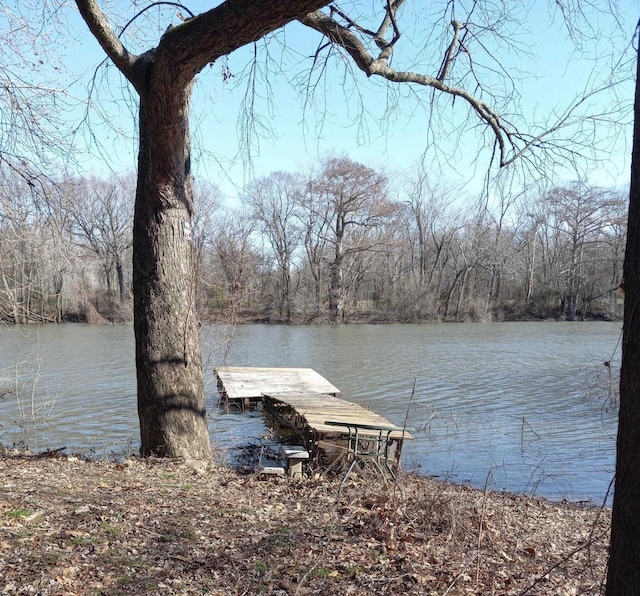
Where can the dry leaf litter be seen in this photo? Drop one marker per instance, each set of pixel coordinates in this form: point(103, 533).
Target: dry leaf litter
point(70, 526)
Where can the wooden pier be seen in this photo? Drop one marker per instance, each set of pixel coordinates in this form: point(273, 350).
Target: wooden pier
point(310, 413)
point(244, 385)
point(307, 403)
point(318, 418)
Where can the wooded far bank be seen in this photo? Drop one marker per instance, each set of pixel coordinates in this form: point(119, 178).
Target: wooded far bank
point(339, 242)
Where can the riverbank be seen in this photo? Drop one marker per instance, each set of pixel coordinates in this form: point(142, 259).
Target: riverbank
point(69, 526)
point(116, 313)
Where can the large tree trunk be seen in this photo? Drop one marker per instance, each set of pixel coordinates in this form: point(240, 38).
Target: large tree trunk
point(623, 576)
point(120, 275)
point(336, 290)
point(286, 289)
point(171, 404)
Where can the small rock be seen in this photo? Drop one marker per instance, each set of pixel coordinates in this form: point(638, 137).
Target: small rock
point(199, 465)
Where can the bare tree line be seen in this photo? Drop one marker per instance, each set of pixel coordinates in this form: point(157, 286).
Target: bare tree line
point(339, 242)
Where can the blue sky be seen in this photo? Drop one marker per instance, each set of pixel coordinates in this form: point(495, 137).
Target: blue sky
point(293, 137)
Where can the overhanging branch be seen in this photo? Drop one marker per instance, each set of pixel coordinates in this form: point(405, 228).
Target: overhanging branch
point(99, 25)
point(347, 40)
point(511, 144)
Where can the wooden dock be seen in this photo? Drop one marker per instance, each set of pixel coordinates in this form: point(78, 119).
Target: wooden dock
point(309, 413)
point(243, 385)
point(303, 400)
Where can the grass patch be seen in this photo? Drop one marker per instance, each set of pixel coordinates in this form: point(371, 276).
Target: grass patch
point(17, 513)
point(321, 572)
point(111, 530)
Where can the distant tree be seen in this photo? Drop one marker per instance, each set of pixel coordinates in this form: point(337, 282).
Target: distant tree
point(432, 228)
point(615, 235)
point(19, 222)
point(207, 204)
point(465, 250)
point(313, 214)
point(99, 217)
point(35, 255)
point(274, 200)
point(501, 251)
point(236, 258)
point(531, 218)
point(390, 284)
point(357, 202)
point(420, 195)
point(579, 214)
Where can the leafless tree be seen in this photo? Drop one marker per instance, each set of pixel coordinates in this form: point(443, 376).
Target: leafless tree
point(35, 134)
point(170, 380)
point(207, 205)
point(168, 359)
point(274, 201)
point(35, 258)
point(579, 214)
point(99, 216)
point(357, 200)
point(429, 204)
point(314, 222)
point(236, 259)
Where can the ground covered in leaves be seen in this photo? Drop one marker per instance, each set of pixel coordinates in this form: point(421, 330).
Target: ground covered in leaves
point(69, 526)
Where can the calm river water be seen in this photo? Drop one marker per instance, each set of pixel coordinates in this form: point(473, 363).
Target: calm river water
point(524, 407)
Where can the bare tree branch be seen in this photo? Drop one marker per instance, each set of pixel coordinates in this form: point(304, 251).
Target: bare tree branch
point(99, 25)
point(346, 39)
point(450, 55)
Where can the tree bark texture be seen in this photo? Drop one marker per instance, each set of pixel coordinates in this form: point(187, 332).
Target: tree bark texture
point(623, 578)
point(171, 404)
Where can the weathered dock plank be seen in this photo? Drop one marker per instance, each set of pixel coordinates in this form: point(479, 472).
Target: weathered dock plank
point(314, 410)
point(240, 383)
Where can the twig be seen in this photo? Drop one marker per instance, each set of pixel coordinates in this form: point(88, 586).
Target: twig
point(484, 503)
point(563, 560)
point(406, 413)
point(457, 577)
point(332, 529)
point(50, 452)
